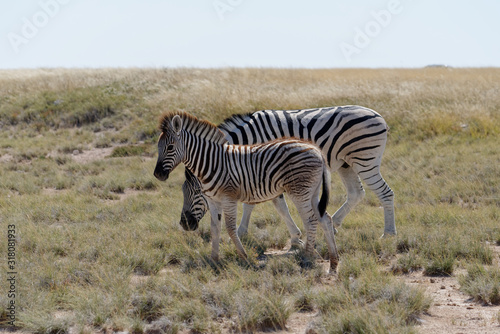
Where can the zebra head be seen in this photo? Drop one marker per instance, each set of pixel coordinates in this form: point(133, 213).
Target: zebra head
point(170, 147)
point(195, 205)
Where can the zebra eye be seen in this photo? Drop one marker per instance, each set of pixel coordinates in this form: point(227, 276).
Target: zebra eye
point(170, 147)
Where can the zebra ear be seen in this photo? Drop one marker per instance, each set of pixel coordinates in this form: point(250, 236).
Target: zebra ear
point(177, 123)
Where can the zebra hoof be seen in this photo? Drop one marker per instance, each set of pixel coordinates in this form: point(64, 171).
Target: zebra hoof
point(388, 235)
point(297, 243)
point(332, 273)
point(334, 263)
point(336, 223)
point(241, 233)
point(295, 248)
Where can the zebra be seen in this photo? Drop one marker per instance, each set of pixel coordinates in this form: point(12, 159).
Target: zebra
point(353, 139)
point(249, 174)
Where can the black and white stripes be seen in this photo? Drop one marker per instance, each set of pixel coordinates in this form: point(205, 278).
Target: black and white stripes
point(352, 138)
point(250, 174)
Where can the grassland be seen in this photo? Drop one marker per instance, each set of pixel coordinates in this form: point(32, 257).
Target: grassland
point(99, 247)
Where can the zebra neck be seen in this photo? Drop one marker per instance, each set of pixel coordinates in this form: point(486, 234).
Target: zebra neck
point(203, 157)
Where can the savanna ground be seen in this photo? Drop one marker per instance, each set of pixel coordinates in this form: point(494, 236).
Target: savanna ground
point(99, 248)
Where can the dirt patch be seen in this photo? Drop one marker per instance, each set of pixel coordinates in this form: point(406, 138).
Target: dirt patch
point(297, 323)
point(53, 191)
point(85, 156)
point(453, 311)
point(6, 158)
point(95, 154)
point(129, 193)
point(91, 155)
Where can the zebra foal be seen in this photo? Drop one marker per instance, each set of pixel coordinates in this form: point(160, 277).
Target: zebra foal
point(249, 174)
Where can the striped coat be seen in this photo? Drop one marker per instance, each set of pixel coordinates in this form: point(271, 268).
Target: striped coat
point(251, 174)
point(352, 138)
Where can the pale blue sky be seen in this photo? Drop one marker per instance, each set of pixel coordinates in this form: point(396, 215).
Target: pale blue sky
point(255, 33)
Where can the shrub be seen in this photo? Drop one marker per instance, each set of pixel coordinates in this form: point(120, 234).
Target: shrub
point(194, 314)
point(440, 266)
point(407, 263)
point(482, 284)
point(262, 311)
point(304, 300)
point(147, 307)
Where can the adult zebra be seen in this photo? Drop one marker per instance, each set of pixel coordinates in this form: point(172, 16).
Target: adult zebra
point(352, 138)
point(249, 174)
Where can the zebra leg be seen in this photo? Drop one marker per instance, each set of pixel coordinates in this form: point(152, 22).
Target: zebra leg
point(355, 193)
point(312, 224)
point(310, 221)
point(326, 220)
point(245, 219)
point(375, 182)
point(230, 213)
point(326, 224)
point(282, 208)
point(306, 199)
point(215, 227)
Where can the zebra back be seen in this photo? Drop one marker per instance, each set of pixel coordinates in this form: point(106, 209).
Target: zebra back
point(347, 134)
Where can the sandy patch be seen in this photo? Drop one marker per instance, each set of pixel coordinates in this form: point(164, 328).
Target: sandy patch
point(6, 158)
point(453, 311)
point(91, 155)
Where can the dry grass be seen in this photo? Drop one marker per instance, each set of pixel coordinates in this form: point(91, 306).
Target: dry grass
point(99, 246)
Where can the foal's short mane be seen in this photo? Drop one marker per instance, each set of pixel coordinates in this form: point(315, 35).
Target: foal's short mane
point(193, 125)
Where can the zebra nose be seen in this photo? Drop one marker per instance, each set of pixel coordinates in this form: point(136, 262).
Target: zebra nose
point(159, 173)
point(188, 221)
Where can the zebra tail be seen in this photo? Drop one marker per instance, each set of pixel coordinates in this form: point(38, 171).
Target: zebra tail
point(325, 196)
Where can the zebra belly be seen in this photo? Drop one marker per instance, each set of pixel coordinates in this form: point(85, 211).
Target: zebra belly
point(247, 197)
point(255, 200)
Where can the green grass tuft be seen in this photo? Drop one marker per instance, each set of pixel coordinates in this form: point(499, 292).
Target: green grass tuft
point(439, 266)
point(482, 284)
point(147, 307)
point(407, 263)
point(129, 151)
point(262, 311)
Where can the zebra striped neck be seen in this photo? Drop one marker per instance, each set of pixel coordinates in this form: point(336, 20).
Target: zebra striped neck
point(197, 138)
point(203, 157)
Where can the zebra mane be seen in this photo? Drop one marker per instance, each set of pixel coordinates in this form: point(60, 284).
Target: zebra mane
point(230, 123)
point(193, 125)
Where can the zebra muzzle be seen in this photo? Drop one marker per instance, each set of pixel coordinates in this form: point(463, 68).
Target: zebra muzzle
point(188, 221)
point(160, 174)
